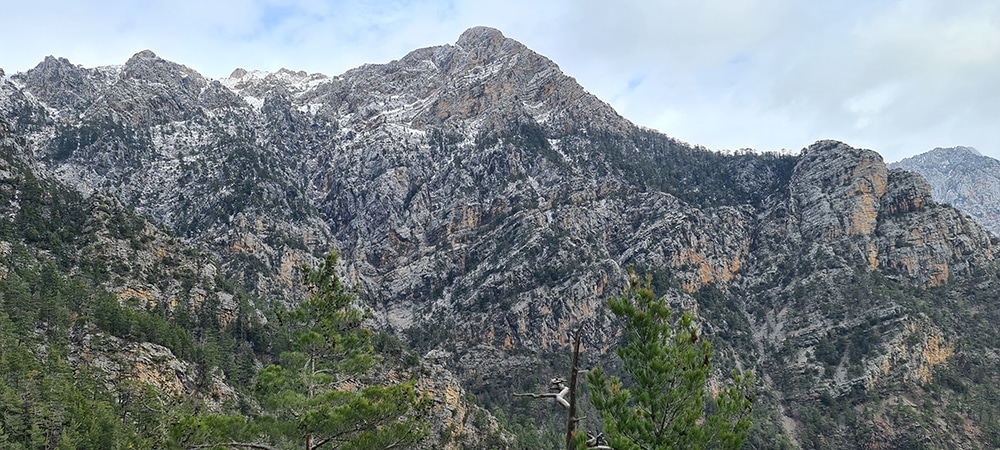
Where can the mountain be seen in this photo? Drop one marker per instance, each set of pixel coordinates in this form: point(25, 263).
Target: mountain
point(485, 204)
point(112, 327)
point(964, 178)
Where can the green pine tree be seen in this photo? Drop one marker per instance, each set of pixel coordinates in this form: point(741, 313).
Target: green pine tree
point(311, 399)
point(664, 404)
point(312, 385)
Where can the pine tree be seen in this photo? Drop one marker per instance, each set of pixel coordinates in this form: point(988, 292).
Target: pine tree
point(664, 403)
point(311, 398)
point(312, 385)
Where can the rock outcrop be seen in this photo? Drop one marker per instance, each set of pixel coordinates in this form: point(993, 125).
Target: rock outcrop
point(848, 196)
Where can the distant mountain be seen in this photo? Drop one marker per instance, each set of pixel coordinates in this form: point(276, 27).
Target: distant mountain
point(484, 203)
point(963, 178)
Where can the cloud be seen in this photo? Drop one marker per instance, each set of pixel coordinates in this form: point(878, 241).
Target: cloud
point(901, 77)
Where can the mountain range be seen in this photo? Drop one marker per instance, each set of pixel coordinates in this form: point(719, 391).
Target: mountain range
point(485, 204)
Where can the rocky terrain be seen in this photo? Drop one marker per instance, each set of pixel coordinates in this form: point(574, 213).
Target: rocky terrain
point(486, 204)
point(963, 178)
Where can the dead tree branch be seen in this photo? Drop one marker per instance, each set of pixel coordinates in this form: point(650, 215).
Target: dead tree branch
point(557, 384)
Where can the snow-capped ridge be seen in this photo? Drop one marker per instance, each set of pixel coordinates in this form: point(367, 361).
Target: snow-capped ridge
point(253, 85)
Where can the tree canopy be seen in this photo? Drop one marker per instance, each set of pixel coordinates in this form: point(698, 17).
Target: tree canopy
point(319, 394)
point(663, 402)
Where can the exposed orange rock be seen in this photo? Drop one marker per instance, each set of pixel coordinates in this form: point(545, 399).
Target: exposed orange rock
point(243, 245)
point(470, 217)
point(940, 275)
point(288, 270)
point(872, 256)
point(708, 271)
point(936, 351)
point(913, 266)
point(143, 295)
point(162, 380)
point(451, 396)
point(226, 318)
point(864, 217)
point(599, 289)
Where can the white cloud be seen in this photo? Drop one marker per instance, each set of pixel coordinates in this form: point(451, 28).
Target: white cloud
point(868, 105)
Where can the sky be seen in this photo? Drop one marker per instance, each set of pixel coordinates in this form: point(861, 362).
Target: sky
point(899, 77)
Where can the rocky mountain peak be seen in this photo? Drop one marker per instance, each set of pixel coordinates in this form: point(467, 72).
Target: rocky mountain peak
point(158, 91)
point(54, 64)
point(293, 73)
point(238, 73)
point(971, 150)
point(486, 41)
point(147, 66)
point(836, 190)
point(848, 198)
point(958, 150)
point(487, 75)
point(144, 55)
point(478, 34)
point(944, 157)
point(59, 83)
point(485, 81)
point(962, 177)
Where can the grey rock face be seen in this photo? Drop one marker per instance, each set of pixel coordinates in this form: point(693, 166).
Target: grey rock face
point(62, 85)
point(887, 219)
point(184, 150)
point(963, 178)
point(836, 191)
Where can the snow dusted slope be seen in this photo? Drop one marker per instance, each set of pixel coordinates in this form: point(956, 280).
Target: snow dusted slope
point(253, 86)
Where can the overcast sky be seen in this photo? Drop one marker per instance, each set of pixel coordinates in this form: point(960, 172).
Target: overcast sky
point(899, 77)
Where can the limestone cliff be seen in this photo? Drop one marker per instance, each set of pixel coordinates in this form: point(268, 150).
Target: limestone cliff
point(847, 197)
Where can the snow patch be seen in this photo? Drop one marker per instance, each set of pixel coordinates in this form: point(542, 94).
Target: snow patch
point(538, 111)
point(111, 73)
point(259, 82)
point(310, 108)
point(254, 102)
point(236, 84)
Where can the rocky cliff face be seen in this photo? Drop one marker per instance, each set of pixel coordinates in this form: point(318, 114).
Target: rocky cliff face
point(824, 303)
point(184, 150)
point(963, 178)
point(486, 204)
point(121, 276)
point(886, 219)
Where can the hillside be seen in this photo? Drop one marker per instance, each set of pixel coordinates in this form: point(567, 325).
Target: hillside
point(485, 204)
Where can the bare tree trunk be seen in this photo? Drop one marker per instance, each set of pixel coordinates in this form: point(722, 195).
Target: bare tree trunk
point(309, 394)
point(571, 414)
point(564, 390)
